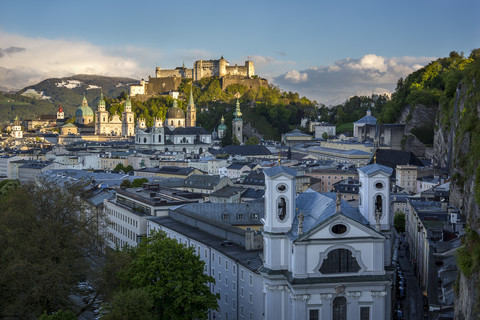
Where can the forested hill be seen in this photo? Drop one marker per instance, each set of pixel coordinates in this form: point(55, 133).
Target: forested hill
point(46, 96)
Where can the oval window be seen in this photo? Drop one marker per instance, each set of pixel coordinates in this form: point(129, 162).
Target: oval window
point(339, 228)
point(379, 185)
point(282, 187)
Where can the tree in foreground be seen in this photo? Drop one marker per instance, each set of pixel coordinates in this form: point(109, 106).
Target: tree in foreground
point(168, 278)
point(47, 239)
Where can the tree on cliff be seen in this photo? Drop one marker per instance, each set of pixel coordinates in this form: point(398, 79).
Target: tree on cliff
point(167, 277)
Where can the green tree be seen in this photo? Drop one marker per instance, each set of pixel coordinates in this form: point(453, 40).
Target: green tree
point(130, 304)
point(170, 276)
point(399, 221)
point(325, 135)
point(48, 240)
point(235, 141)
point(119, 167)
point(126, 184)
point(137, 183)
point(128, 168)
point(60, 315)
point(252, 141)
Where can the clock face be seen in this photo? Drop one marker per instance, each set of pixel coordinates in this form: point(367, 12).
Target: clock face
point(281, 187)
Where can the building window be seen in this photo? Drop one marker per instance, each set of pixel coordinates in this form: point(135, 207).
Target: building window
point(340, 308)
point(339, 261)
point(250, 280)
point(250, 298)
point(282, 208)
point(364, 313)
point(313, 314)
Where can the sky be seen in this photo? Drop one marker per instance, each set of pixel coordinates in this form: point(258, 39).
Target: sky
point(324, 50)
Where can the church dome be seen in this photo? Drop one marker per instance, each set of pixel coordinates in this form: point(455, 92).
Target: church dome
point(175, 112)
point(84, 110)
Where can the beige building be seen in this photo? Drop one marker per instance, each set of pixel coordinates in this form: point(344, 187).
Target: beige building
point(328, 177)
point(114, 125)
point(406, 177)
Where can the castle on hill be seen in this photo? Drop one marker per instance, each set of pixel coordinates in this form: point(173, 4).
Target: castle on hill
point(168, 80)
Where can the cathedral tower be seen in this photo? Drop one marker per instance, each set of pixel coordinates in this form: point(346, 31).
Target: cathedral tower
point(17, 129)
point(60, 113)
point(128, 124)
point(222, 129)
point(191, 120)
point(237, 124)
point(101, 117)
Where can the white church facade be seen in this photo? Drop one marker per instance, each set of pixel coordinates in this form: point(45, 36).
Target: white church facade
point(321, 258)
point(324, 259)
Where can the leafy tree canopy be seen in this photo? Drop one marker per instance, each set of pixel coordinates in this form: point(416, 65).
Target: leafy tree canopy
point(163, 280)
point(48, 239)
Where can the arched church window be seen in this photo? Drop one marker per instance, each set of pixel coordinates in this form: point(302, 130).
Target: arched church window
point(159, 138)
point(238, 129)
point(184, 150)
point(103, 119)
point(340, 308)
point(144, 140)
point(378, 204)
point(339, 261)
point(282, 209)
point(153, 138)
point(171, 122)
point(179, 122)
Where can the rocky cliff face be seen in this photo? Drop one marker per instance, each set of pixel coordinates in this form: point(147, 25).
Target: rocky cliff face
point(418, 116)
point(456, 141)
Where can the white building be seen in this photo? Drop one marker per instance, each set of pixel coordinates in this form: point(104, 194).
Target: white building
point(323, 259)
point(325, 127)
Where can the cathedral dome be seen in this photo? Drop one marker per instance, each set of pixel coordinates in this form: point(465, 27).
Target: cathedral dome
point(84, 110)
point(175, 112)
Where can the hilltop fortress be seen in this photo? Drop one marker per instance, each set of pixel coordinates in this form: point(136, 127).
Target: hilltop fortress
point(169, 79)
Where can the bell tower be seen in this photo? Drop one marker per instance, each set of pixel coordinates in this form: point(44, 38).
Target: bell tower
point(279, 213)
point(128, 124)
point(191, 120)
point(374, 195)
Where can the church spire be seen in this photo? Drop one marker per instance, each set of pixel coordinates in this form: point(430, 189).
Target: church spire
point(191, 120)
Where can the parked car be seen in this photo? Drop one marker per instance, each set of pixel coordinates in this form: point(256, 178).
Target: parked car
point(399, 315)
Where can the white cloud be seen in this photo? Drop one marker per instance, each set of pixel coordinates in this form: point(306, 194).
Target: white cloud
point(296, 77)
point(335, 83)
point(25, 61)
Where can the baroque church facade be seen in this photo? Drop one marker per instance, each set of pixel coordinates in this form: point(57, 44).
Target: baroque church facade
point(114, 125)
point(177, 133)
point(324, 259)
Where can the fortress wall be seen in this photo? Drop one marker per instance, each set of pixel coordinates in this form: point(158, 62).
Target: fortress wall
point(250, 83)
point(164, 84)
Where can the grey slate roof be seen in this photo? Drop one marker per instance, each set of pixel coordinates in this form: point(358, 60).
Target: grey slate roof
point(273, 171)
point(249, 259)
point(229, 213)
point(374, 168)
point(319, 207)
point(367, 119)
point(247, 150)
point(227, 191)
point(202, 181)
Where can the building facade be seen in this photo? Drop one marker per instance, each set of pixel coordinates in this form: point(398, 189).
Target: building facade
point(115, 125)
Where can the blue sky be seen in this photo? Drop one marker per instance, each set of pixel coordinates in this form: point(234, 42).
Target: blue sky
point(326, 51)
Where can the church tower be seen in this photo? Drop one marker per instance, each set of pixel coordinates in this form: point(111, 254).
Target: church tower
point(191, 120)
point(60, 113)
point(17, 129)
point(128, 124)
point(222, 129)
point(374, 195)
point(237, 124)
point(279, 214)
point(102, 117)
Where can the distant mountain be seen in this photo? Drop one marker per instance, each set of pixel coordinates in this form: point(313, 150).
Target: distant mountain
point(67, 92)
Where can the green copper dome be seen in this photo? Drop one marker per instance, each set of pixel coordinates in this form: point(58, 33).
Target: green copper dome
point(175, 112)
point(84, 110)
point(222, 125)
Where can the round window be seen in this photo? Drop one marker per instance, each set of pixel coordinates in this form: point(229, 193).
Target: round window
point(339, 228)
point(281, 187)
point(379, 185)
